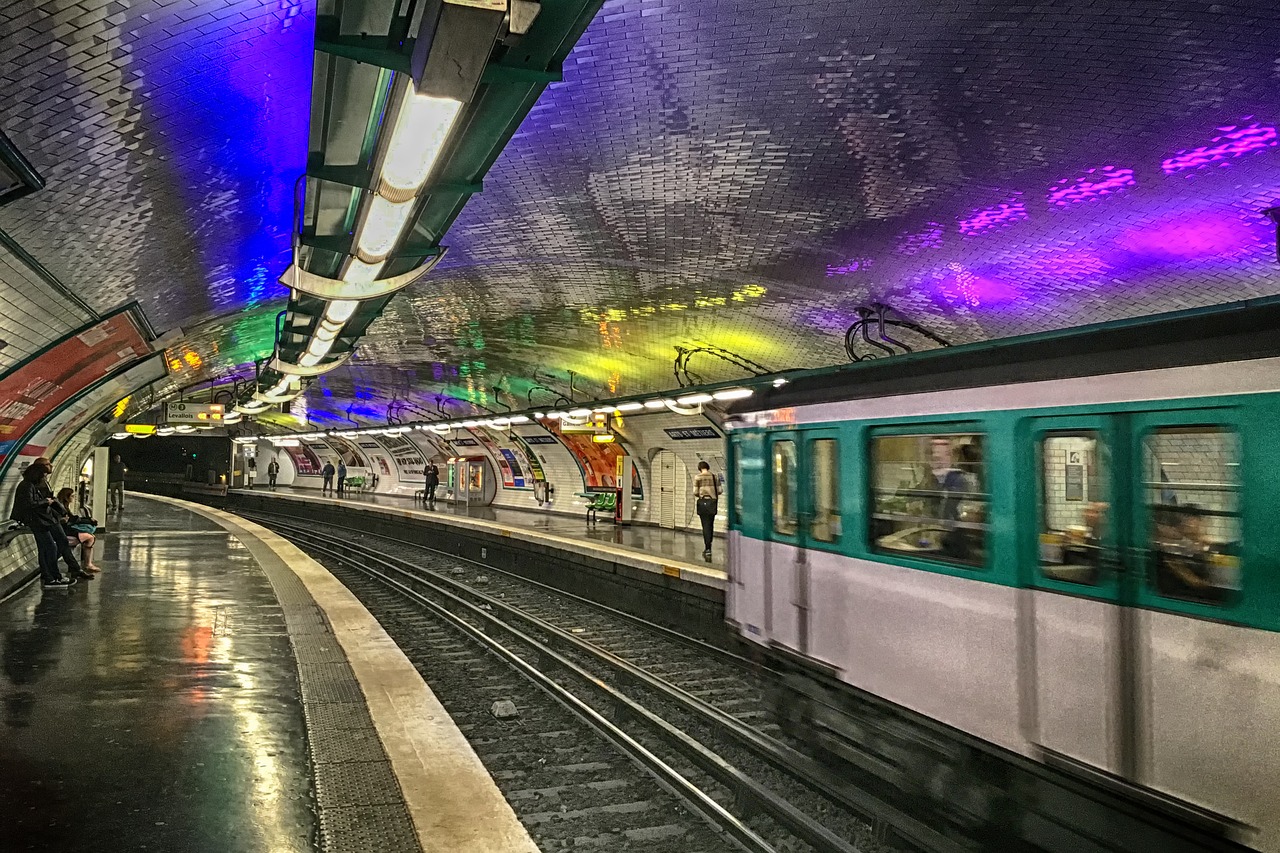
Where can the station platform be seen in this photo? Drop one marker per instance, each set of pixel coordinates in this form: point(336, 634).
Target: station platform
point(643, 545)
point(215, 689)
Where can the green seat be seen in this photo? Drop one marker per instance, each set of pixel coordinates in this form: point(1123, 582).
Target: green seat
point(601, 502)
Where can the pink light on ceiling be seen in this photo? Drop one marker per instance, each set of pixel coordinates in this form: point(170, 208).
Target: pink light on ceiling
point(1001, 216)
point(1233, 141)
point(1093, 184)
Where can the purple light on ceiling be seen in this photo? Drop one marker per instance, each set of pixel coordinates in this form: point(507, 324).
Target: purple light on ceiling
point(1001, 216)
point(1093, 184)
point(963, 287)
point(1191, 235)
point(928, 238)
point(850, 266)
point(1234, 141)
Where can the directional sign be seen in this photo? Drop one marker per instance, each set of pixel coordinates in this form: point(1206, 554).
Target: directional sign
point(193, 413)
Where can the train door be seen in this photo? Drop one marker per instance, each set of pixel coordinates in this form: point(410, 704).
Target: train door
point(749, 520)
point(1081, 699)
point(805, 515)
point(1209, 708)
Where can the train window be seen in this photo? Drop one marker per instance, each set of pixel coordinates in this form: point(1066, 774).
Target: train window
point(1191, 479)
point(929, 497)
point(825, 486)
point(784, 488)
point(1074, 506)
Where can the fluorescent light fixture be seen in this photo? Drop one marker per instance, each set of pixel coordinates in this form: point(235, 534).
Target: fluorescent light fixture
point(779, 382)
point(358, 272)
point(630, 407)
point(521, 419)
point(694, 399)
point(470, 424)
point(733, 394)
point(422, 127)
point(185, 428)
point(539, 415)
point(286, 442)
point(579, 413)
point(555, 416)
point(382, 226)
point(655, 404)
point(165, 431)
point(232, 418)
point(340, 310)
point(121, 436)
point(599, 409)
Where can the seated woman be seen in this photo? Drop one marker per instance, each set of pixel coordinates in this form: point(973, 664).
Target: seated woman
point(78, 529)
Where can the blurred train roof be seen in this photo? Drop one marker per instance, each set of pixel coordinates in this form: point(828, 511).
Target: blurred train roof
point(1239, 331)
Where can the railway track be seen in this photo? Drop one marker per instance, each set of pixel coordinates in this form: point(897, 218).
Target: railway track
point(693, 716)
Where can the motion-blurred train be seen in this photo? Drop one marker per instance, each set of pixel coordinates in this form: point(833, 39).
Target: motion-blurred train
point(1053, 559)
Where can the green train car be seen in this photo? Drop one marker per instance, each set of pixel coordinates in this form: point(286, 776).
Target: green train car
point(1057, 555)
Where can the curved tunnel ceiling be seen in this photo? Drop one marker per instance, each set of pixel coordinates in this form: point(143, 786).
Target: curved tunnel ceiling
point(709, 173)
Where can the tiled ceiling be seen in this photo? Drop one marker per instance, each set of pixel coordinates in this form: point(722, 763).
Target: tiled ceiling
point(721, 173)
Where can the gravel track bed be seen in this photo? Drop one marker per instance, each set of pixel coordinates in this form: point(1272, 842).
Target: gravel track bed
point(730, 687)
point(571, 789)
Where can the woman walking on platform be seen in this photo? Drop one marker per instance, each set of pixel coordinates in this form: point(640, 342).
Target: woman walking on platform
point(706, 491)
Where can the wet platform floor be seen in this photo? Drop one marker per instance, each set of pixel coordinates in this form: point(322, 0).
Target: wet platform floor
point(684, 545)
point(156, 707)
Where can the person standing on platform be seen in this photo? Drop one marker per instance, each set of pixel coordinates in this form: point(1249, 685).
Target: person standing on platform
point(273, 471)
point(34, 508)
point(342, 478)
point(115, 483)
point(706, 491)
point(327, 473)
point(432, 481)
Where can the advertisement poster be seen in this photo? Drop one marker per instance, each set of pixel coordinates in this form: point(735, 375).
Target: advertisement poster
point(305, 461)
point(43, 385)
point(512, 473)
point(599, 462)
point(343, 448)
point(530, 458)
point(407, 456)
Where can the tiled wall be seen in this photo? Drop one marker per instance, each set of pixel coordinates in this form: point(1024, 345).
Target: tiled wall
point(1190, 467)
point(1059, 452)
point(17, 558)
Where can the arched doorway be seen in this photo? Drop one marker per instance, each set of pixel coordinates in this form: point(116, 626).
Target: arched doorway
point(673, 490)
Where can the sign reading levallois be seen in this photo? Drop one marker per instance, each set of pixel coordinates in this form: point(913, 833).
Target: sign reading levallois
point(686, 433)
point(193, 413)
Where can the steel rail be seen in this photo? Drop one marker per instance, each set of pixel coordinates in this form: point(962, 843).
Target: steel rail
point(716, 815)
point(808, 771)
point(724, 655)
point(746, 789)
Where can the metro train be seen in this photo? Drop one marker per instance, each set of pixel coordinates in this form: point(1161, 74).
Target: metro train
point(1055, 555)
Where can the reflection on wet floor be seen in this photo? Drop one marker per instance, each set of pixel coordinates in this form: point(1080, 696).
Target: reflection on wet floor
point(683, 545)
point(156, 707)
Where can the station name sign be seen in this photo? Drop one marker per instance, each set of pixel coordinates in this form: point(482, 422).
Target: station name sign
point(687, 433)
point(540, 439)
point(193, 413)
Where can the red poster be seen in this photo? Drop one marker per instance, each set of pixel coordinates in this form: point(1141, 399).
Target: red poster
point(599, 462)
point(305, 461)
point(32, 392)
